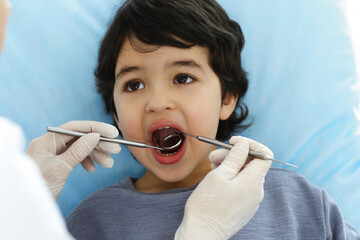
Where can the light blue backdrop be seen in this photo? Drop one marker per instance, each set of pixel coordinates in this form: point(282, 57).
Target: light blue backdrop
point(300, 63)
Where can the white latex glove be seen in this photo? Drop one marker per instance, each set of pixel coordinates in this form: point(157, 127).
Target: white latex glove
point(58, 154)
point(27, 209)
point(229, 196)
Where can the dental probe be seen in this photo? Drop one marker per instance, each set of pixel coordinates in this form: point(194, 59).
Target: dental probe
point(114, 140)
point(229, 146)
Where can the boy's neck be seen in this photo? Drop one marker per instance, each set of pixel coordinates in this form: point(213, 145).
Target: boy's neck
point(150, 183)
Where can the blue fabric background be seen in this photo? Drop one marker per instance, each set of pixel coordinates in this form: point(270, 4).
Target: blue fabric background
point(302, 93)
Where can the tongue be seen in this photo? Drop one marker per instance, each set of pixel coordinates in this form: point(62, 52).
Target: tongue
point(167, 137)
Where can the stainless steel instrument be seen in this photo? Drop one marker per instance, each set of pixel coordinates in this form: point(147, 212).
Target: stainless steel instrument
point(111, 140)
point(229, 146)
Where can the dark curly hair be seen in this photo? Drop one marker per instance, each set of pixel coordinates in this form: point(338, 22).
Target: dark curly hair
point(182, 24)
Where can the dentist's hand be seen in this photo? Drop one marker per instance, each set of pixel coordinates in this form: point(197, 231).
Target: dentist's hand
point(229, 196)
point(57, 154)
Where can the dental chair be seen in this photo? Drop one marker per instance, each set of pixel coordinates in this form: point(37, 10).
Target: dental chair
point(304, 93)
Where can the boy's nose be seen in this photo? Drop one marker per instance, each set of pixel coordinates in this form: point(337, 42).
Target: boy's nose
point(159, 101)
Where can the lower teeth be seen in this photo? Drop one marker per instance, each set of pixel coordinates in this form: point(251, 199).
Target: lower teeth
point(166, 154)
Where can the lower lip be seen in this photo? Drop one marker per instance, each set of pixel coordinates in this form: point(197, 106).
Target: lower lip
point(167, 160)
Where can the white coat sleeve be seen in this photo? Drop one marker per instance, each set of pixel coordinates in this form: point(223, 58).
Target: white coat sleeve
point(28, 210)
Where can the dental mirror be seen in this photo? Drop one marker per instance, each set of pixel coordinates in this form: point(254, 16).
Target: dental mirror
point(172, 141)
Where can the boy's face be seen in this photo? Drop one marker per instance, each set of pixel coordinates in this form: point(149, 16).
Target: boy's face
point(4, 12)
point(173, 87)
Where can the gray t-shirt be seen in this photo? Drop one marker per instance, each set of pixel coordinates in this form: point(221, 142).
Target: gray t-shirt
point(292, 208)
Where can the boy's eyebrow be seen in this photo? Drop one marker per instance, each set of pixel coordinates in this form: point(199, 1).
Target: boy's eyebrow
point(125, 70)
point(187, 63)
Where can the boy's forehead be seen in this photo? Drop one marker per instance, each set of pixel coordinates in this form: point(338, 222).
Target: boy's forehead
point(135, 50)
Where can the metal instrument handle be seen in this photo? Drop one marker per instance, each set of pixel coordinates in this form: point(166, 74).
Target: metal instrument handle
point(103, 139)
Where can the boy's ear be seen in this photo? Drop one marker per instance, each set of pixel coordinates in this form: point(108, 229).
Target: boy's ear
point(227, 106)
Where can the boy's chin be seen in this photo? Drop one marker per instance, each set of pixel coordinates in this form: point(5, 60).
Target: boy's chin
point(173, 177)
point(183, 177)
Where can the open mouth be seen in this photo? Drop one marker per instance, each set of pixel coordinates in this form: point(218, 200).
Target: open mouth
point(169, 138)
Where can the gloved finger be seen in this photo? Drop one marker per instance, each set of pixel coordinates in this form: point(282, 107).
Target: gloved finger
point(111, 148)
point(256, 170)
point(80, 149)
point(48, 143)
point(104, 129)
point(234, 139)
point(58, 143)
point(254, 145)
point(235, 160)
point(218, 155)
point(69, 143)
point(214, 166)
point(102, 159)
point(88, 164)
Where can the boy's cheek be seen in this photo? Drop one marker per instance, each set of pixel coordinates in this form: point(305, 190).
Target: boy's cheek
point(205, 120)
point(124, 119)
point(130, 126)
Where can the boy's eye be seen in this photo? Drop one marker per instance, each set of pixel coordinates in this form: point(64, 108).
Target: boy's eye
point(133, 86)
point(183, 79)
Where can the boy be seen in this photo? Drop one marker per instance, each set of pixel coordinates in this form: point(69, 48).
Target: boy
point(166, 66)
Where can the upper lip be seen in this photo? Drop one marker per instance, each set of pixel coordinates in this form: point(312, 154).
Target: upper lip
point(162, 124)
